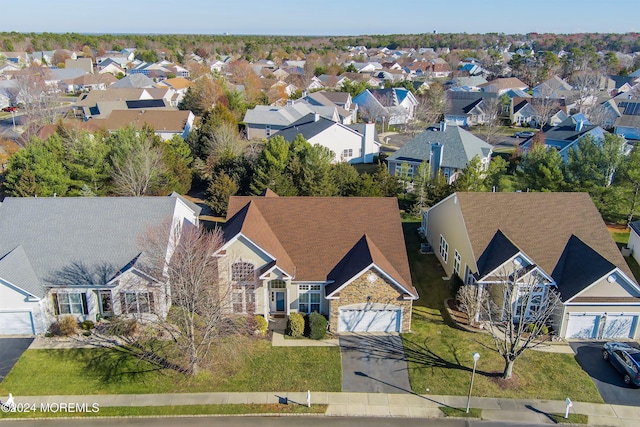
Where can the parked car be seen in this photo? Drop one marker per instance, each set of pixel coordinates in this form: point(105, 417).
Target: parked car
point(10, 109)
point(524, 134)
point(625, 359)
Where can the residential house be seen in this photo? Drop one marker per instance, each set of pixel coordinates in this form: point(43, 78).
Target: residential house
point(438, 68)
point(348, 144)
point(566, 135)
point(530, 111)
point(166, 123)
point(134, 81)
point(394, 105)
point(467, 108)
point(319, 254)
point(263, 121)
point(447, 148)
point(100, 103)
point(81, 256)
point(502, 85)
point(347, 110)
point(85, 64)
point(87, 82)
point(553, 87)
point(628, 122)
point(111, 67)
point(634, 240)
point(489, 238)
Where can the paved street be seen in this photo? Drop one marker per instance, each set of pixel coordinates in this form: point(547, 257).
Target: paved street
point(374, 364)
point(607, 379)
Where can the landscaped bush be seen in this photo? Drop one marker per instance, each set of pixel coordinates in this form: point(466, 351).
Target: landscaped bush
point(67, 325)
point(317, 326)
point(87, 325)
point(295, 325)
point(261, 324)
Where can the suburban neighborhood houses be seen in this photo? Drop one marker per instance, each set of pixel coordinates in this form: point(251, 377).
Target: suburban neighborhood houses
point(393, 225)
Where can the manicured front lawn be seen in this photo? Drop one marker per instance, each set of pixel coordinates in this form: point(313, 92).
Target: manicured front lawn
point(256, 367)
point(439, 355)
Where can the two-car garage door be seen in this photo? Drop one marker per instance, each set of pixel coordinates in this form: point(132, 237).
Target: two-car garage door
point(368, 319)
point(16, 323)
point(602, 326)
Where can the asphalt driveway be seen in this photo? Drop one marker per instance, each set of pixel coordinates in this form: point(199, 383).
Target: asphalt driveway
point(607, 379)
point(10, 351)
point(374, 364)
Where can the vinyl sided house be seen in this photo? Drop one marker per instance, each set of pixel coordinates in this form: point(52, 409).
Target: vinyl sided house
point(447, 148)
point(481, 236)
point(81, 256)
point(349, 143)
point(323, 254)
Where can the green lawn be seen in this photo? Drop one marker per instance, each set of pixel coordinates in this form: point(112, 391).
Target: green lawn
point(257, 366)
point(157, 411)
point(439, 355)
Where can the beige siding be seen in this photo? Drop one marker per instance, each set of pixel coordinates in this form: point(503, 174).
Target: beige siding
point(603, 288)
point(446, 218)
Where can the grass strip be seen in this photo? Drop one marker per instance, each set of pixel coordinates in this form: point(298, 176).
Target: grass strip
point(133, 411)
point(461, 412)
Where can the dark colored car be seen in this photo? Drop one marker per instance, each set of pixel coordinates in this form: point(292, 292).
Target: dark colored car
point(524, 134)
point(625, 359)
point(9, 109)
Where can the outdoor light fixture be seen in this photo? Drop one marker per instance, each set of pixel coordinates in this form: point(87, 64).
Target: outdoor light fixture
point(476, 356)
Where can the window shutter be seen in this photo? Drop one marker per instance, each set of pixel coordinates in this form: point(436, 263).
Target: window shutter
point(56, 308)
point(123, 304)
point(85, 307)
point(152, 305)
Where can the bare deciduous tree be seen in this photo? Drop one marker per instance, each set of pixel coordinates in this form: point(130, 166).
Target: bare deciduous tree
point(490, 127)
point(470, 303)
point(135, 172)
point(200, 313)
point(516, 310)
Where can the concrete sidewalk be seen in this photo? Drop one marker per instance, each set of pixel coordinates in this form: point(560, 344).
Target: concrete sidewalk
point(372, 404)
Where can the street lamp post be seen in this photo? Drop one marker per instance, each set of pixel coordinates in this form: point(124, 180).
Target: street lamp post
point(476, 356)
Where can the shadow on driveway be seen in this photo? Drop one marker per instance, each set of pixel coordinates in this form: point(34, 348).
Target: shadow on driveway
point(607, 379)
point(10, 351)
point(374, 364)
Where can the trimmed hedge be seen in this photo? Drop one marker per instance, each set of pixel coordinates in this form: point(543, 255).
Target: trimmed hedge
point(317, 325)
point(295, 325)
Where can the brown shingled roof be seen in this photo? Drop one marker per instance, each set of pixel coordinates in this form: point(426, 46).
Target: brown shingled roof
point(160, 120)
point(540, 224)
point(317, 232)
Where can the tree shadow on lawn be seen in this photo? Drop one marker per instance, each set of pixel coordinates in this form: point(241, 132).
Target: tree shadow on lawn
point(117, 362)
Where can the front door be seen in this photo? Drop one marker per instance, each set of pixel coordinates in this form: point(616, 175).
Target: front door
point(279, 301)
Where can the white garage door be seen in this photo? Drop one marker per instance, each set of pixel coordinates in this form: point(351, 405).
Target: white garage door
point(368, 320)
point(16, 323)
point(619, 325)
point(582, 326)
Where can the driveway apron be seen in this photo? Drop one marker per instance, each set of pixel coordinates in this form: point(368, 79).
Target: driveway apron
point(607, 379)
point(374, 363)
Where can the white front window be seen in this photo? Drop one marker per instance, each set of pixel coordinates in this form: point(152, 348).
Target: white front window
point(70, 303)
point(309, 298)
point(243, 297)
point(346, 154)
point(456, 262)
point(444, 249)
point(136, 302)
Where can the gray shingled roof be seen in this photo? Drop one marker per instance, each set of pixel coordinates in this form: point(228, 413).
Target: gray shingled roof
point(134, 81)
point(460, 146)
point(90, 237)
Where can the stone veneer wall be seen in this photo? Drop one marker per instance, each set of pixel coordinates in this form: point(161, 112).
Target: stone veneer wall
point(381, 291)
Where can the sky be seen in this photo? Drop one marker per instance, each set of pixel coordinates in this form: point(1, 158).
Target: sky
point(324, 17)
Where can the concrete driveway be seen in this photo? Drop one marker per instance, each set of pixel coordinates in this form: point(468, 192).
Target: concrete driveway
point(374, 363)
point(10, 351)
point(607, 379)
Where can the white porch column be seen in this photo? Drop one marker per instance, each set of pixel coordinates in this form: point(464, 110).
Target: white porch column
point(265, 301)
point(286, 302)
